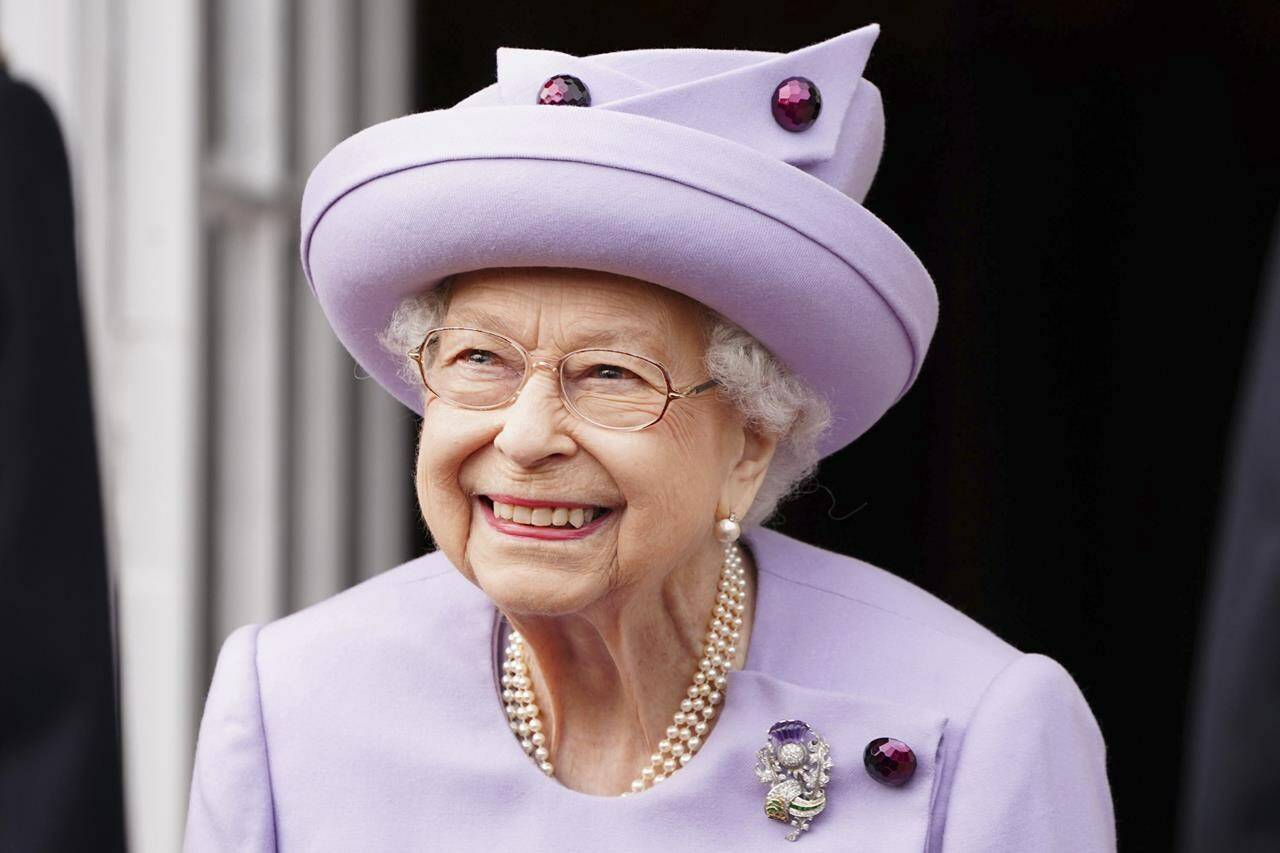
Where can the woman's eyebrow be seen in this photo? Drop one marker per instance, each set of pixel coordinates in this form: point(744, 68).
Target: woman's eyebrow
point(617, 336)
point(623, 336)
point(481, 319)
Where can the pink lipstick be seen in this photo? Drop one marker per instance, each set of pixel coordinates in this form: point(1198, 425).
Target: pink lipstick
point(529, 531)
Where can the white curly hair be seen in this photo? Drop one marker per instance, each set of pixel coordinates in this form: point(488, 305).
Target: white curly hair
point(770, 397)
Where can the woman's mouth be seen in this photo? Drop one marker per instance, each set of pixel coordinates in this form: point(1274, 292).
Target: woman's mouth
point(543, 522)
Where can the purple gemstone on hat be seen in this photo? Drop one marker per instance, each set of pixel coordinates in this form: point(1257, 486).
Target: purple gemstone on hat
point(796, 104)
point(789, 731)
point(889, 761)
point(564, 90)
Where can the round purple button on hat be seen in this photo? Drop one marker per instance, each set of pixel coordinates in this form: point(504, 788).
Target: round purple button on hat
point(796, 104)
point(889, 761)
point(564, 90)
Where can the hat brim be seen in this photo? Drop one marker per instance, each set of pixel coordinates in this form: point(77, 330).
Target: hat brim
point(824, 284)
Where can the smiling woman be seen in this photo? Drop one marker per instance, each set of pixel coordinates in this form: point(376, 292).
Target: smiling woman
point(612, 579)
point(615, 398)
point(766, 395)
point(619, 575)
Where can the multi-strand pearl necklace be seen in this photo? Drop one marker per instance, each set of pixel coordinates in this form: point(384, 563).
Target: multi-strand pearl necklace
point(689, 725)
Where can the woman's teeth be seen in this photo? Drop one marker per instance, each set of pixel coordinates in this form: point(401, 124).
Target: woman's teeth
point(544, 516)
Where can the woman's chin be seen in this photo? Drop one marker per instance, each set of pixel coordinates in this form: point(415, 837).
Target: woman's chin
point(535, 590)
point(531, 582)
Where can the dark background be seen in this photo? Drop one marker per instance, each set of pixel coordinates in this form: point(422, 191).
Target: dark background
point(60, 764)
point(1092, 186)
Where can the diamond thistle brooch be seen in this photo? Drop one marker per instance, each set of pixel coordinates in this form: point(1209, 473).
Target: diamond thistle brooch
point(794, 763)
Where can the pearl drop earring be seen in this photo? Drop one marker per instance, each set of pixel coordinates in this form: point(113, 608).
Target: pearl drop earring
point(728, 529)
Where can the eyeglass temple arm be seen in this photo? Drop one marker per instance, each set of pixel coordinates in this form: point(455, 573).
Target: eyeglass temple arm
point(697, 389)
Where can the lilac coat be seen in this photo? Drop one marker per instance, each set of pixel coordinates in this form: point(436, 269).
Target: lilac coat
point(371, 721)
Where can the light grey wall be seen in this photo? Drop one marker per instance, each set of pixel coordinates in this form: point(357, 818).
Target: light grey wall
point(247, 473)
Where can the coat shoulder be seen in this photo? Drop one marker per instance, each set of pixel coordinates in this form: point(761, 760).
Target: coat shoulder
point(867, 586)
point(893, 631)
point(397, 606)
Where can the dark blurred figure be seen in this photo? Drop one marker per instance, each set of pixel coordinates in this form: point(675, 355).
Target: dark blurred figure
point(1232, 783)
point(60, 777)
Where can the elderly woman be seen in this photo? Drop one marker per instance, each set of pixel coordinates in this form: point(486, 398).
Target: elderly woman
point(634, 306)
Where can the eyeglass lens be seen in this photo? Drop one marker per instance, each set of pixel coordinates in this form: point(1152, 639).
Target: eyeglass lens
point(475, 368)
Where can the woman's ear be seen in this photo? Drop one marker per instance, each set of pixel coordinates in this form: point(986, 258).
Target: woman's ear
point(747, 473)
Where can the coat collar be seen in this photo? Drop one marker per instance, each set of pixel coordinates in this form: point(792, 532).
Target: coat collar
point(790, 653)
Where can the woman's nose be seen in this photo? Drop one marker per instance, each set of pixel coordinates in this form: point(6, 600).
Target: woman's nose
point(534, 424)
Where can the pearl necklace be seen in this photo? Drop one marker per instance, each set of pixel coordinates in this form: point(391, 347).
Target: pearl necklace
point(689, 725)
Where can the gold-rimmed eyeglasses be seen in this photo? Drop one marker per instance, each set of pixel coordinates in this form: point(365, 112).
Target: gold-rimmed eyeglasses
point(475, 369)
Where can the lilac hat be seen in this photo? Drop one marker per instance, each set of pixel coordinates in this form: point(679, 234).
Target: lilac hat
point(721, 174)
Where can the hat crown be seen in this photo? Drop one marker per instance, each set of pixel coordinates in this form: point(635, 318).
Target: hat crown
point(677, 173)
point(727, 93)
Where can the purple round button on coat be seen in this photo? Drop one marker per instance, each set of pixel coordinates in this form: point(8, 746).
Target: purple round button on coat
point(889, 761)
point(796, 104)
point(564, 90)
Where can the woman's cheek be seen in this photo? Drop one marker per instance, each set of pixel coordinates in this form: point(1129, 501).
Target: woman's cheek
point(440, 502)
point(665, 505)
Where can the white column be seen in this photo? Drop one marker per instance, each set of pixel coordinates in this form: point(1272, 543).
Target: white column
point(385, 442)
point(352, 463)
point(246, 472)
point(155, 405)
point(248, 238)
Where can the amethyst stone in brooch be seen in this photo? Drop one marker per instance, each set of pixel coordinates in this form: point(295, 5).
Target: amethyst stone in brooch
point(794, 764)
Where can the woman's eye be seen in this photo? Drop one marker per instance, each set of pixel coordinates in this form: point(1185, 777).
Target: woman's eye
point(610, 371)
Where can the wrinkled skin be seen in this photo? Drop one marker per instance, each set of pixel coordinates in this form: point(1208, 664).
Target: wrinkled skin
point(612, 621)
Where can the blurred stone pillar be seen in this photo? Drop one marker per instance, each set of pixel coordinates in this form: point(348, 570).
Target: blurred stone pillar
point(247, 469)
